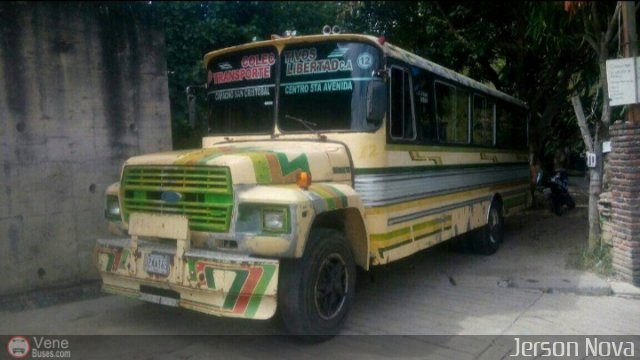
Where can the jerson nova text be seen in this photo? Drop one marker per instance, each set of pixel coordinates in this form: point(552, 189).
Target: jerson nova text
point(592, 346)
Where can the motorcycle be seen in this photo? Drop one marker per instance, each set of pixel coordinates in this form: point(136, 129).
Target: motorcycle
point(556, 191)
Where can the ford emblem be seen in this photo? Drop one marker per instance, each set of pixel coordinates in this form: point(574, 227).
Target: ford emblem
point(171, 196)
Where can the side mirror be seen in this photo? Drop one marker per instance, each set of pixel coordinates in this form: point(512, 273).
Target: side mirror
point(192, 103)
point(377, 100)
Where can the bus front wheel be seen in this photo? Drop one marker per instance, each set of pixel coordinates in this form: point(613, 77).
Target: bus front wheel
point(487, 240)
point(316, 291)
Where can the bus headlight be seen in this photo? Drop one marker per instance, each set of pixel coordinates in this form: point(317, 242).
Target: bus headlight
point(112, 208)
point(274, 220)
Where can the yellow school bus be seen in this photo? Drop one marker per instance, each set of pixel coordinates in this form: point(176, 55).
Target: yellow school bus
point(325, 153)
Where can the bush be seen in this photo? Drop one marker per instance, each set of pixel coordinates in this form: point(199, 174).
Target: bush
point(597, 260)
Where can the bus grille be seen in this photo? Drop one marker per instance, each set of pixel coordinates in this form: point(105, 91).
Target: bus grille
point(205, 194)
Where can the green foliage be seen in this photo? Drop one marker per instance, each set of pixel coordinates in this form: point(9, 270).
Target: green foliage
point(430, 30)
point(533, 50)
point(193, 29)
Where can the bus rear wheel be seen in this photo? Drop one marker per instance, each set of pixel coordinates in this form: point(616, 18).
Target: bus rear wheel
point(487, 240)
point(316, 292)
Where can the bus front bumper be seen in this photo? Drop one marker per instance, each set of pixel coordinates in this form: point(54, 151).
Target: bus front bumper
point(207, 281)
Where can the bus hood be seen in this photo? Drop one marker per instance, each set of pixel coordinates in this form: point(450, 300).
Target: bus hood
point(263, 162)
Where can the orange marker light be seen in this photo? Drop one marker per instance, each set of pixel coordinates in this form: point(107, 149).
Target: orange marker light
point(303, 179)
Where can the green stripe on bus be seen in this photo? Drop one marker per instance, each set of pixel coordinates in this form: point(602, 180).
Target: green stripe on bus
point(123, 259)
point(192, 270)
point(342, 170)
point(391, 247)
point(258, 292)
point(409, 240)
point(390, 235)
point(261, 167)
point(236, 287)
point(428, 168)
point(341, 195)
point(439, 148)
point(109, 262)
point(331, 203)
point(429, 234)
point(208, 273)
point(287, 167)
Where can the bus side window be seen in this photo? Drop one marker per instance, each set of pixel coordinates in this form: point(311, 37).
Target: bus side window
point(424, 118)
point(402, 125)
point(482, 121)
point(511, 127)
point(502, 127)
point(452, 111)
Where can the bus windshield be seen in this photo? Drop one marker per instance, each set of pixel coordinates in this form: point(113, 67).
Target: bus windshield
point(322, 87)
point(241, 92)
point(325, 85)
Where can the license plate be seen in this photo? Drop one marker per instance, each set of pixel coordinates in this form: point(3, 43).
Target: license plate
point(157, 299)
point(157, 264)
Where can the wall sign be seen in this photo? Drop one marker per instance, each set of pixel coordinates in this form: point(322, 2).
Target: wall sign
point(622, 81)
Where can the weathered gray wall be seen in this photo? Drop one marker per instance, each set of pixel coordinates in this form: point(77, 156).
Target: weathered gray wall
point(81, 90)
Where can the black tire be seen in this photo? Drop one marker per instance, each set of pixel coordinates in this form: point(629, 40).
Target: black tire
point(315, 292)
point(487, 239)
point(570, 203)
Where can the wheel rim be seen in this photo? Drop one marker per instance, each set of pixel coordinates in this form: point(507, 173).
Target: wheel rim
point(331, 287)
point(494, 225)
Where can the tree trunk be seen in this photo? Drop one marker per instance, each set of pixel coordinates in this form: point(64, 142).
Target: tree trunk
point(595, 186)
point(595, 178)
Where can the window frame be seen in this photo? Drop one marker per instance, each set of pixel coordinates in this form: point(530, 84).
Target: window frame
point(429, 113)
point(435, 112)
point(276, 74)
point(405, 71)
point(493, 118)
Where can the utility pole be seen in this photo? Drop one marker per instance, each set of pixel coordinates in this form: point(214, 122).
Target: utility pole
point(630, 38)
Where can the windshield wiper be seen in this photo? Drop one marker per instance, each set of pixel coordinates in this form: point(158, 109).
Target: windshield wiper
point(306, 123)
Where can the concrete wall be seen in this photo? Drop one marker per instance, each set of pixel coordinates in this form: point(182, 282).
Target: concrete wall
point(81, 90)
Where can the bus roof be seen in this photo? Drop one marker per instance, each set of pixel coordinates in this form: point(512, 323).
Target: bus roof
point(388, 49)
point(413, 59)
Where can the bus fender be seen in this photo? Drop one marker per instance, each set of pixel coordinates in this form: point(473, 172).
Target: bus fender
point(340, 207)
